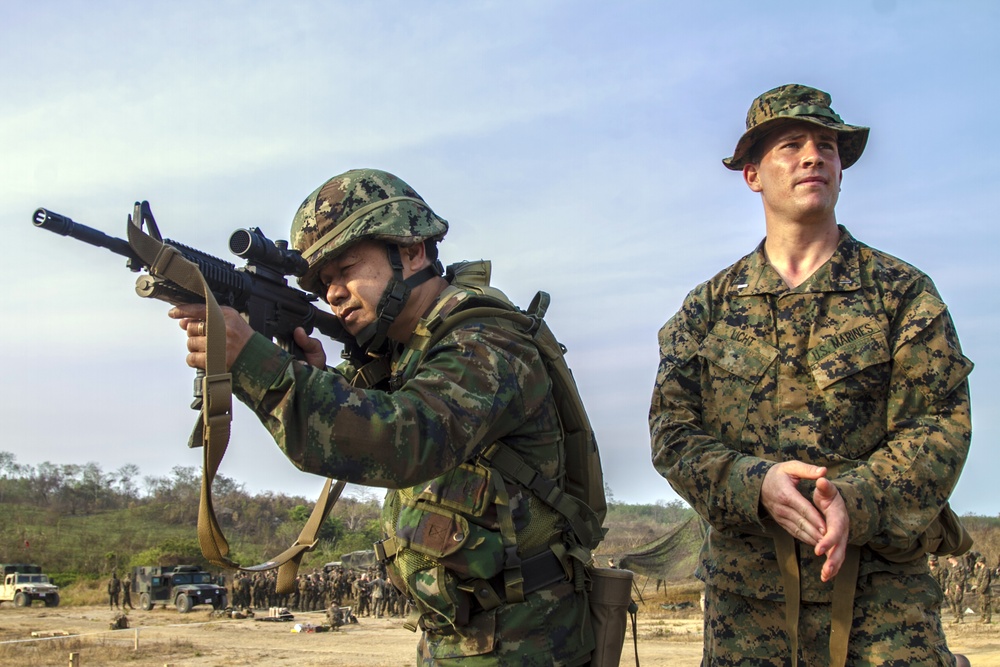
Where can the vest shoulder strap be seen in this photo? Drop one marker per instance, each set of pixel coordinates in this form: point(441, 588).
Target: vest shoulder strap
point(581, 501)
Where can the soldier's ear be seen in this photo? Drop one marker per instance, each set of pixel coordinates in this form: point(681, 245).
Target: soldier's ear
point(414, 256)
point(751, 176)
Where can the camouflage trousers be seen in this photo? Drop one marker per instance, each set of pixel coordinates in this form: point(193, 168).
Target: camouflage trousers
point(956, 601)
point(896, 622)
point(551, 628)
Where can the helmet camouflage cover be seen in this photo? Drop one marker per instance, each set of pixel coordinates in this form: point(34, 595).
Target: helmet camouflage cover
point(361, 204)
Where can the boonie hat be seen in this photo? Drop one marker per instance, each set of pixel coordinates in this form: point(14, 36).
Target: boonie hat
point(800, 103)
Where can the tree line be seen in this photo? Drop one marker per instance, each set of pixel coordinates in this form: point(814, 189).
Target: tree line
point(83, 520)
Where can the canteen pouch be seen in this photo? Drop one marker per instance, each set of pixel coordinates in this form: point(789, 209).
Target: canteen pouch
point(610, 599)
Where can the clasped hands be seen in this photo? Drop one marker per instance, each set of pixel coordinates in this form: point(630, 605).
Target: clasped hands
point(822, 523)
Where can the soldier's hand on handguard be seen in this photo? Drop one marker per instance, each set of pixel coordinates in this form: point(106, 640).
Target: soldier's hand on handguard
point(822, 523)
point(192, 320)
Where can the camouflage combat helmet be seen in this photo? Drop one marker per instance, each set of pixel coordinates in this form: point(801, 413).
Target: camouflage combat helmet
point(800, 103)
point(361, 204)
point(373, 205)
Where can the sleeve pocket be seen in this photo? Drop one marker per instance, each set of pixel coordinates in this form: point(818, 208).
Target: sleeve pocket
point(927, 349)
point(678, 344)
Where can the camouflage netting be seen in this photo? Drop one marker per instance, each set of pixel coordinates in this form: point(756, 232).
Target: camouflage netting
point(671, 557)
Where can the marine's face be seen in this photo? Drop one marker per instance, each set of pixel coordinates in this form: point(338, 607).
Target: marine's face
point(798, 174)
point(354, 283)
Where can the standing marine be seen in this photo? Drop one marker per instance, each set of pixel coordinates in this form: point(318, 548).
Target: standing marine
point(114, 590)
point(984, 581)
point(958, 578)
point(811, 404)
point(127, 592)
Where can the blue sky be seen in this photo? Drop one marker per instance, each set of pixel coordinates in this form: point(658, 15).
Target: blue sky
point(575, 144)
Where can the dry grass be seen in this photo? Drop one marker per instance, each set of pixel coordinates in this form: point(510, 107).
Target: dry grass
point(654, 621)
point(84, 592)
point(103, 649)
point(672, 594)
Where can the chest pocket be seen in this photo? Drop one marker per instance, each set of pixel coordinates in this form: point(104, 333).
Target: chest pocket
point(854, 382)
point(851, 359)
point(737, 365)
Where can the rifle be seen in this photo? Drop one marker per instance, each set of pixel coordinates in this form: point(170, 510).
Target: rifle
point(259, 289)
point(179, 274)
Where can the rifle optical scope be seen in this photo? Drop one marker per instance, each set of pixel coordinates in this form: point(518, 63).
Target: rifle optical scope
point(253, 246)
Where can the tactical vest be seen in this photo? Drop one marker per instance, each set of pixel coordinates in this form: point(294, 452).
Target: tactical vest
point(493, 529)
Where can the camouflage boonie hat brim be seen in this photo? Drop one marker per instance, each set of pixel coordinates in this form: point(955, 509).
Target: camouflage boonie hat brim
point(361, 204)
point(794, 102)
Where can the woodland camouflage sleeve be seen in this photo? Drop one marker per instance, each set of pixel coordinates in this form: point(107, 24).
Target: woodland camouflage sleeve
point(476, 385)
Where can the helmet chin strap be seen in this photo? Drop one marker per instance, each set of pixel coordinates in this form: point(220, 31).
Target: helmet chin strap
point(373, 338)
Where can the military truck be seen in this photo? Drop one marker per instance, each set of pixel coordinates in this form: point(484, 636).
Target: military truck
point(24, 583)
point(183, 586)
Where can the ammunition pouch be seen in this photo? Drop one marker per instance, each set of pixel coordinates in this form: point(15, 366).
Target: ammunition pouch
point(453, 548)
point(610, 607)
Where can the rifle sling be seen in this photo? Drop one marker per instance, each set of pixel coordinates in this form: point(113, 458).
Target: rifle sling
point(212, 429)
point(842, 605)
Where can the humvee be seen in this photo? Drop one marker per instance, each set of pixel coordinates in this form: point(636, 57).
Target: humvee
point(24, 583)
point(183, 586)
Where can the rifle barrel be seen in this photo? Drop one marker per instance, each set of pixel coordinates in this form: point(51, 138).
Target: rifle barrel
point(60, 224)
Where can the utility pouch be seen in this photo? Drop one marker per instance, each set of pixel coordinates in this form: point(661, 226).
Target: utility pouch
point(945, 536)
point(610, 605)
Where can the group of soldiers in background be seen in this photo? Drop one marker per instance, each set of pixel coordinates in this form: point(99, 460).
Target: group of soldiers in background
point(962, 574)
point(370, 593)
point(120, 590)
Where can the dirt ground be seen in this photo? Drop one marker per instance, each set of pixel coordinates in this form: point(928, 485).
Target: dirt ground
point(199, 639)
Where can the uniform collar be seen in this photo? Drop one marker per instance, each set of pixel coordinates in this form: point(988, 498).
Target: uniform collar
point(841, 273)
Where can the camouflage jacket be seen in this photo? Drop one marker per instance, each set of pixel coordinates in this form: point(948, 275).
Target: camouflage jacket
point(940, 574)
point(984, 579)
point(958, 580)
point(859, 369)
point(478, 384)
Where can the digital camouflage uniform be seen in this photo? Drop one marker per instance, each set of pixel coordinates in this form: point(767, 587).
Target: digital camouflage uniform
point(479, 384)
point(859, 369)
point(984, 580)
point(939, 570)
point(957, 580)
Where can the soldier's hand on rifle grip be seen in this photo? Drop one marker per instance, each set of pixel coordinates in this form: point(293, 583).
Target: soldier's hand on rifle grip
point(192, 320)
point(312, 348)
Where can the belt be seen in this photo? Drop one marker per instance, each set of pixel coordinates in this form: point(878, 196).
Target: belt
point(540, 571)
